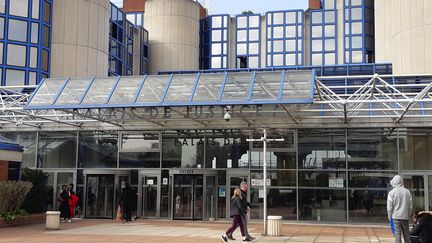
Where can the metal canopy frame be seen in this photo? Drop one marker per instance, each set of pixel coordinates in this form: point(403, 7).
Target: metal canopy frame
point(360, 101)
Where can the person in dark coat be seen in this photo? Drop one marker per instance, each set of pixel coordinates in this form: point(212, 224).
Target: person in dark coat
point(64, 204)
point(245, 204)
point(236, 212)
point(126, 202)
point(422, 231)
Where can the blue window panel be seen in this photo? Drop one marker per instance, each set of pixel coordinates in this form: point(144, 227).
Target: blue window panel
point(248, 50)
point(28, 26)
point(358, 31)
point(323, 38)
point(214, 36)
point(285, 38)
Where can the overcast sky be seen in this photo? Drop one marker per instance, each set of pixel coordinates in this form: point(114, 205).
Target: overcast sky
point(237, 6)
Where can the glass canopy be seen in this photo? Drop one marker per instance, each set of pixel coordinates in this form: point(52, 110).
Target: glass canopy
point(200, 89)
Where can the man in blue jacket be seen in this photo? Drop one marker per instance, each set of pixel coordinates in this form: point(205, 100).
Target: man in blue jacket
point(399, 207)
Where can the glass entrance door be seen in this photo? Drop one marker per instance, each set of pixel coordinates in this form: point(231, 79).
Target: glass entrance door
point(188, 197)
point(416, 184)
point(100, 196)
point(234, 182)
point(150, 196)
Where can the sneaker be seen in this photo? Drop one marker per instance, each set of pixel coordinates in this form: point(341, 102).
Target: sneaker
point(224, 238)
point(124, 221)
point(251, 237)
point(230, 237)
point(247, 238)
point(69, 221)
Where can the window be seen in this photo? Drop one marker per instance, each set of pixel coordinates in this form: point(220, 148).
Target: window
point(47, 12)
point(34, 33)
point(2, 6)
point(33, 57)
point(18, 8)
point(14, 77)
point(35, 9)
point(17, 55)
point(17, 30)
point(2, 28)
point(45, 60)
point(46, 36)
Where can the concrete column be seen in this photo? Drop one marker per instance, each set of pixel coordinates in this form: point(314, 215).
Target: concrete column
point(80, 35)
point(173, 27)
point(403, 30)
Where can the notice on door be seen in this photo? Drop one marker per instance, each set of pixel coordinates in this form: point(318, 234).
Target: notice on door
point(150, 182)
point(221, 191)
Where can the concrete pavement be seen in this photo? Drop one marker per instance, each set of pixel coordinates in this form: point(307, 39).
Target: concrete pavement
point(149, 231)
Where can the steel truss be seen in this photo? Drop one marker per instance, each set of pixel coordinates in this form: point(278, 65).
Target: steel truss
point(378, 100)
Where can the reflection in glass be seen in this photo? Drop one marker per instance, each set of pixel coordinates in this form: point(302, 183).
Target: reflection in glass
point(241, 22)
point(291, 17)
point(15, 77)
point(278, 18)
point(33, 57)
point(356, 14)
point(317, 17)
point(182, 149)
point(290, 31)
point(241, 35)
point(290, 59)
point(357, 28)
point(216, 21)
point(330, 45)
point(321, 149)
point(18, 8)
point(329, 31)
point(34, 33)
point(322, 205)
point(35, 9)
point(17, 30)
point(328, 179)
point(278, 60)
point(330, 58)
point(253, 35)
point(226, 149)
point(57, 150)
point(28, 141)
point(97, 149)
point(19, 55)
point(330, 16)
point(279, 202)
point(278, 32)
point(2, 20)
point(367, 205)
point(372, 149)
point(317, 31)
point(217, 35)
point(415, 146)
point(241, 49)
point(278, 46)
point(317, 45)
point(357, 42)
point(254, 21)
point(253, 48)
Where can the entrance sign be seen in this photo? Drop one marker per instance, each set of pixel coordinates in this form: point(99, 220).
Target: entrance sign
point(221, 192)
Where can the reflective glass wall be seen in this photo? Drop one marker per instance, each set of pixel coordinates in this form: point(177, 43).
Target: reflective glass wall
point(25, 36)
point(314, 175)
point(285, 31)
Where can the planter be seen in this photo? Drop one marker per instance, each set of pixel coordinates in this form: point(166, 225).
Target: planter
point(24, 220)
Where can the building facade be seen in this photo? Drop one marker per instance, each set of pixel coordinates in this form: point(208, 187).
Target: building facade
point(312, 77)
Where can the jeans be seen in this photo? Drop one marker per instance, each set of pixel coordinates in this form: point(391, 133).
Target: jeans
point(402, 228)
point(237, 221)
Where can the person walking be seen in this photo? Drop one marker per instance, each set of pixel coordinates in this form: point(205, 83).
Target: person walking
point(64, 204)
point(236, 211)
point(422, 230)
point(126, 202)
point(399, 207)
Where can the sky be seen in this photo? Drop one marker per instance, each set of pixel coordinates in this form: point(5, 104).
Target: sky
point(237, 6)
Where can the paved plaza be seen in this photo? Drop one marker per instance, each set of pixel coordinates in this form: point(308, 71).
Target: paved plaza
point(80, 231)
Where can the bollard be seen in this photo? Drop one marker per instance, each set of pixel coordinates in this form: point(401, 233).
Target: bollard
point(274, 225)
point(52, 220)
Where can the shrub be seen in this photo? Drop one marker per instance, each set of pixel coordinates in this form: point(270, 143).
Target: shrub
point(12, 195)
point(36, 198)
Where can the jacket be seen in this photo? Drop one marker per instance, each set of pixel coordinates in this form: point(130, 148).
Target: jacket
point(244, 202)
point(236, 207)
point(399, 200)
point(423, 228)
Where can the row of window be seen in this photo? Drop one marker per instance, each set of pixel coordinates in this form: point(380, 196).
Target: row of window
point(25, 27)
point(121, 43)
point(285, 37)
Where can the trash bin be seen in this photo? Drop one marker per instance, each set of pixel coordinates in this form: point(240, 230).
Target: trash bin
point(52, 220)
point(274, 225)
